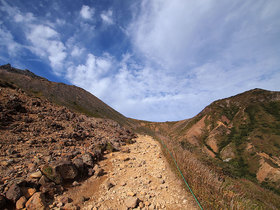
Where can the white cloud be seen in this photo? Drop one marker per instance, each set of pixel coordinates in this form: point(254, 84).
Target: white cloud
point(107, 17)
point(8, 43)
point(86, 12)
point(46, 43)
point(184, 55)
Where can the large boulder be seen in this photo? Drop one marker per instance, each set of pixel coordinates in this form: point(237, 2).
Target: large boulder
point(14, 192)
point(88, 159)
point(51, 174)
point(80, 165)
point(37, 201)
point(67, 170)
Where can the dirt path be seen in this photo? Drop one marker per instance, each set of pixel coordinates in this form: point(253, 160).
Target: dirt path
point(139, 179)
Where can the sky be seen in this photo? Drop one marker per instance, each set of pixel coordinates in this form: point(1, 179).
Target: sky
point(155, 60)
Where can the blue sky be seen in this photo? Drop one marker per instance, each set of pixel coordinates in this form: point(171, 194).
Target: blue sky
point(155, 60)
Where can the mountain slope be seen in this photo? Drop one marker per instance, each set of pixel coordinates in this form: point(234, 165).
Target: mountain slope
point(230, 151)
point(70, 96)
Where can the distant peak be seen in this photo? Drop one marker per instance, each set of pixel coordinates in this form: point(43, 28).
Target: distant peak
point(26, 72)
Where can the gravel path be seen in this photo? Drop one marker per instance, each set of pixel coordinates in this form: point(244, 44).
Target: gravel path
point(138, 177)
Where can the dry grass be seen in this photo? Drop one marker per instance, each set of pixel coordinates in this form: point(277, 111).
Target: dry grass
point(213, 189)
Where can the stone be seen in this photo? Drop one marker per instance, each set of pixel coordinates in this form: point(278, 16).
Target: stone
point(43, 180)
point(36, 174)
point(122, 183)
point(14, 193)
point(37, 201)
point(69, 206)
point(130, 193)
point(28, 192)
point(65, 200)
point(67, 170)
point(75, 183)
point(131, 202)
point(126, 159)
point(51, 174)
point(99, 172)
point(126, 150)
point(50, 188)
point(88, 159)
point(109, 185)
point(83, 199)
point(20, 204)
point(141, 205)
point(80, 165)
point(90, 171)
point(147, 203)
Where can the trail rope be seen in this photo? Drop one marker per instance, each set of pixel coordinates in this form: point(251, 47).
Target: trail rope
point(181, 174)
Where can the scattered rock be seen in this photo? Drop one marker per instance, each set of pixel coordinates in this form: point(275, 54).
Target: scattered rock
point(83, 199)
point(51, 174)
point(131, 202)
point(14, 193)
point(122, 183)
point(88, 159)
point(75, 184)
point(21, 202)
point(80, 165)
point(130, 193)
point(67, 170)
point(109, 185)
point(28, 192)
point(65, 200)
point(36, 174)
point(141, 205)
point(43, 180)
point(37, 201)
point(98, 171)
point(69, 206)
point(147, 203)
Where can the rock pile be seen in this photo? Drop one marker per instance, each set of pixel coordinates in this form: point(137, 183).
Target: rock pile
point(44, 147)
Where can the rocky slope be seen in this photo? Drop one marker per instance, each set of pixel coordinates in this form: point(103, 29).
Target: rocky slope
point(72, 97)
point(45, 148)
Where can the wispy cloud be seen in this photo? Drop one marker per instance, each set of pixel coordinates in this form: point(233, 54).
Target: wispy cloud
point(178, 57)
point(86, 12)
point(107, 17)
